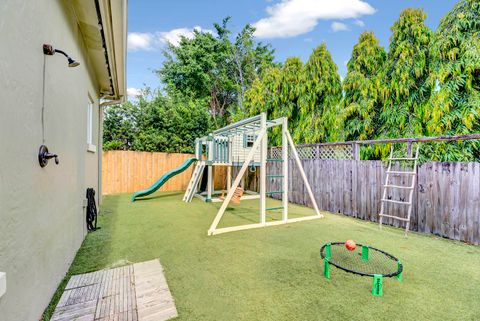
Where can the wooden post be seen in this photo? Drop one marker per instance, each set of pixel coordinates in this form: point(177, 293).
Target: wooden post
point(302, 172)
point(285, 169)
point(229, 178)
point(263, 169)
point(236, 182)
point(354, 186)
point(409, 149)
point(384, 195)
point(356, 151)
point(210, 169)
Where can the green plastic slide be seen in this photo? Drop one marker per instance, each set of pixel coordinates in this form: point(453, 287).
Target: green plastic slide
point(163, 179)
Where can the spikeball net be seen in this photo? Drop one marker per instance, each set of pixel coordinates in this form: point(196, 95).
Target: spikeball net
point(363, 260)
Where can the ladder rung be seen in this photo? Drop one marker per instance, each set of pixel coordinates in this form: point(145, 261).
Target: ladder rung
point(395, 217)
point(398, 186)
point(275, 176)
point(274, 208)
point(400, 172)
point(403, 158)
point(396, 202)
point(274, 192)
point(274, 160)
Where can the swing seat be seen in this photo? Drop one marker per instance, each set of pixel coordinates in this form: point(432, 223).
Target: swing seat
point(237, 195)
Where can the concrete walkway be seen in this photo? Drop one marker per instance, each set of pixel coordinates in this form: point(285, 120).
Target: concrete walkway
point(137, 292)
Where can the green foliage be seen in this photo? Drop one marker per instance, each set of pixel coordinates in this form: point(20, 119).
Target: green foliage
point(455, 76)
point(215, 69)
point(119, 126)
point(427, 85)
point(362, 89)
point(167, 124)
point(320, 94)
point(277, 93)
point(263, 94)
point(289, 92)
point(406, 73)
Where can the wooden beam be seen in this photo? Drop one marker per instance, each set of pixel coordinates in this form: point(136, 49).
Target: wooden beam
point(285, 169)
point(227, 200)
point(235, 228)
point(302, 172)
point(263, 170)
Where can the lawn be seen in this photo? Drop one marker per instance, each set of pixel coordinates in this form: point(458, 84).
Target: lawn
point(275, 273)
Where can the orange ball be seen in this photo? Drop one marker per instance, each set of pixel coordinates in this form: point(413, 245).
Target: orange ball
point(350, 245)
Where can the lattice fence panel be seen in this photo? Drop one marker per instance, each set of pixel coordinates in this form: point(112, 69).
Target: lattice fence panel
point(340, 151)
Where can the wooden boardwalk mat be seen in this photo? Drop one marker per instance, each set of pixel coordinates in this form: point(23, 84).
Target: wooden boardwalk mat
point(137, 292)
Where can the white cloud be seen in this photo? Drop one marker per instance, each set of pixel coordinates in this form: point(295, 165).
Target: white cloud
point(134, 92)
point(139, 41)
point(153, 40)
point(173, 36)
point(290, 18)
point(359, 23)
point(338, 26)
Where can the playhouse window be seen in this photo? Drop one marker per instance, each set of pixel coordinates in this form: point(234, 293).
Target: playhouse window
point(248, 140)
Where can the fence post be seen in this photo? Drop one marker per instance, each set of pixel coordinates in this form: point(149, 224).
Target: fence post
point(354, 182)
point(409, 149)
point(355, 151)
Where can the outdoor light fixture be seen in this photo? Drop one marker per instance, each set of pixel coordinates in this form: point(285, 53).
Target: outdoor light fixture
point(48, 50)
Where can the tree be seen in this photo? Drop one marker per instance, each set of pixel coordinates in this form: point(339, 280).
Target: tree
point(119, 127)
point(289, 91)
point(277, 93)
point(250, 59)
point(455, 77)
point(406, 72)
point(362, 101)
point(215, 69)
point(320, 94)
point(167, 124)
point(263, 94)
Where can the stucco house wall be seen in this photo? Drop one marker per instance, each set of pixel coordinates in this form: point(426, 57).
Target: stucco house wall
point(42, 210)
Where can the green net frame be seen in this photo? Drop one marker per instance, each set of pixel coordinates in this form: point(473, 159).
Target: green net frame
point(364, 261)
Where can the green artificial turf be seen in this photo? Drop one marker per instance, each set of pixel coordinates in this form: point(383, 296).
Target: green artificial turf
point(275, 273)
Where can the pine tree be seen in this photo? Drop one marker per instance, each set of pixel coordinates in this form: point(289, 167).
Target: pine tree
point(405, 75)
point(455, 77)
point(320, 95)
point(262, 96)
point(362, 102)
point(288, 95)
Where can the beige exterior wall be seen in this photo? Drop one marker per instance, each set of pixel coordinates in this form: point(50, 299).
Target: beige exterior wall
point(240, 152)
point(42, 218)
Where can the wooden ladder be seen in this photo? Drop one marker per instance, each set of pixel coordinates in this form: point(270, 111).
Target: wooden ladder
point(410, 188)
point(194, 180)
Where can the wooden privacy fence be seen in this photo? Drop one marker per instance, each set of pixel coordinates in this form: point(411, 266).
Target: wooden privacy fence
point(446, 197)
point(129, 171)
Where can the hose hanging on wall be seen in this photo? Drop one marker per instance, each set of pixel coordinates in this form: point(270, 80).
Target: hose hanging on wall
point(91, 210)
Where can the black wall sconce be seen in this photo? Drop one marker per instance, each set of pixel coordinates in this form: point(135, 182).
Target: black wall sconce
point(44, 156)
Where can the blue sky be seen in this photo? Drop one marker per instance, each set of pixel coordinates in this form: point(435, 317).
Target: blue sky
point(292, 27)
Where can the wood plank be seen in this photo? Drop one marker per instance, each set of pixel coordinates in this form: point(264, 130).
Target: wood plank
point(81, 311)
point(154, 300)
point(464, 187)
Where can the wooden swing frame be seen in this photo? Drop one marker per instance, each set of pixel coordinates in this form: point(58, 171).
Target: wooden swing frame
point(261, 142)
